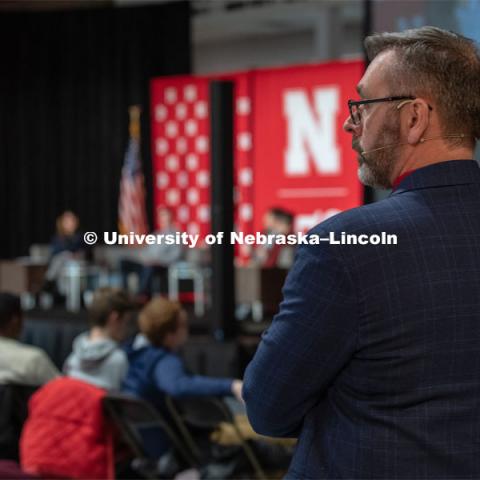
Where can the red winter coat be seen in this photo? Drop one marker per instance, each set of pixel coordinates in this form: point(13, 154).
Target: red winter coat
point(66, 434)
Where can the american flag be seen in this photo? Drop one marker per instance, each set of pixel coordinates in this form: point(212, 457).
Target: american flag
point(181, 140)
point(131, 204)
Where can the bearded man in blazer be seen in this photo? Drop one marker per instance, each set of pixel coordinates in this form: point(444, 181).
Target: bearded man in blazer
point(373, 360)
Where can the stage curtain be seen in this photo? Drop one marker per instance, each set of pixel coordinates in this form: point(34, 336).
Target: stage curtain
point(66, 81)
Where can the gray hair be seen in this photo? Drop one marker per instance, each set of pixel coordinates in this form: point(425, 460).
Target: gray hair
point(440, 65)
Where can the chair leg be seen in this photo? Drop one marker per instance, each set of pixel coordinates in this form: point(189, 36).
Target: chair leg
point(183, 430)
point(178, 444)
point(260, 474)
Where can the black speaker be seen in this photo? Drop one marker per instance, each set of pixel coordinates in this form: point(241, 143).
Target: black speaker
point(221, 134)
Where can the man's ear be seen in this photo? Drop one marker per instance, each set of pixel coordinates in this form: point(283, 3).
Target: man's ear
point(418, 116)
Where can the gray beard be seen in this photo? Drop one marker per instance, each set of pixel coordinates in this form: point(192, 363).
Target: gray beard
point(375, 168)
point(374, 171)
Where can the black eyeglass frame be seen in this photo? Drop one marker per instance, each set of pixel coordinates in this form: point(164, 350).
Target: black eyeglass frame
point(357, 103)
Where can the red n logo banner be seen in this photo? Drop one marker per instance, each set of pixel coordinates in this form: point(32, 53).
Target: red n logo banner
point(303, 158)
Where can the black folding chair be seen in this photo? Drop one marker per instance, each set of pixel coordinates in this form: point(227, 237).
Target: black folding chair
point(145, 430)
point(13, 413)
point(206, 413)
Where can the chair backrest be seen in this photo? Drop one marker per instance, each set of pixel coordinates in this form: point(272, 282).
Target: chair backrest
point(200, 412)
point(144, 428)
point(207, 413)
point(13, 413)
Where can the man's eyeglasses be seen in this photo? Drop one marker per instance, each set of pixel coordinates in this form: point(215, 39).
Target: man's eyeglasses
point(355, 107)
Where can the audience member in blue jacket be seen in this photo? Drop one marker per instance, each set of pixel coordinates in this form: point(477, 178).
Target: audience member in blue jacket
point(156, 370)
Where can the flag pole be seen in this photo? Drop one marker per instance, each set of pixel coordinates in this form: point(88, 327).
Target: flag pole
point(134, 112)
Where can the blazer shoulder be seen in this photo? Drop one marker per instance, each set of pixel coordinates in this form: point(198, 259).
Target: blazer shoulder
point(363, 219)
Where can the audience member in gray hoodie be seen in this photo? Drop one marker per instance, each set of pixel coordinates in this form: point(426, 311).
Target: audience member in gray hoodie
point(96, 356)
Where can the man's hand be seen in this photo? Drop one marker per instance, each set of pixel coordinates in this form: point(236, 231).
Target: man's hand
point(237, 390)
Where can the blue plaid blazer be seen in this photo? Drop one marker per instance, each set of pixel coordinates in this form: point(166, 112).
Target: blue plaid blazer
point(373, 360)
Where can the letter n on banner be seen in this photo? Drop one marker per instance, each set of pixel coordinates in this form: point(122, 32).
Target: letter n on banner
point(303, 160)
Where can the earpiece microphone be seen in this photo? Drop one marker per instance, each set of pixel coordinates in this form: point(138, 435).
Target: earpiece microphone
point(422, 140)
point(383, 148)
